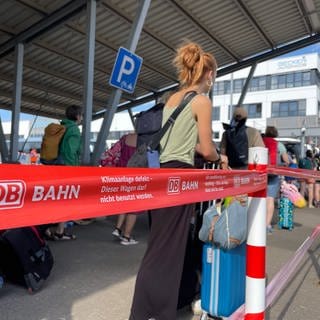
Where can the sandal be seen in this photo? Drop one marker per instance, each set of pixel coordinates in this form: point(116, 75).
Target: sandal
point(64, 236)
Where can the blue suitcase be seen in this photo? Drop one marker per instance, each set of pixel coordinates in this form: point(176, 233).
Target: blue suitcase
point(286, 209)
point(223, 280)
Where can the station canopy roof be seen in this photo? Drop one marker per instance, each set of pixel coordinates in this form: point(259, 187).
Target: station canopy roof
point(237, 32)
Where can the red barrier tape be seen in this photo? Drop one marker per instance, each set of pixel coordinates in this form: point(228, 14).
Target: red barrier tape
point(294, 172)
point(31, 195)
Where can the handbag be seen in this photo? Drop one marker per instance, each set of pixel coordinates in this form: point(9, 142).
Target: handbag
point(290, 191)
point(228, 229)
point(147, 155)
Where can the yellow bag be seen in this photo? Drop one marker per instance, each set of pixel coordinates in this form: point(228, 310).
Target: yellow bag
point(53, 135)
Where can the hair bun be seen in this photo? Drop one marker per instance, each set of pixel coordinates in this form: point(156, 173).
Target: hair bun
point(190, 54)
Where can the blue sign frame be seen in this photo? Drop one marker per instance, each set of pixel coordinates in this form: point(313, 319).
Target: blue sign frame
point(126, 70)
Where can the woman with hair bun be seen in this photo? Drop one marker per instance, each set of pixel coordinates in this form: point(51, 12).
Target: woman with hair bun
point(158, 280)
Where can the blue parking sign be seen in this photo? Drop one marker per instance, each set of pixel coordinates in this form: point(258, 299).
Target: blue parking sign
point(125, 70)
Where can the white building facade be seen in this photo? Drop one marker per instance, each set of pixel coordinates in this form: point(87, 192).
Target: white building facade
point(283, 92)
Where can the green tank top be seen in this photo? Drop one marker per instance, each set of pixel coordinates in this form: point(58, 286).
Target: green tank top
point(178, 143)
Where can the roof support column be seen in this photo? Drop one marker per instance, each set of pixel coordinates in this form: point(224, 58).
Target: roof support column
point(116, 95)
point(17, 92)
point(3, 145)
point(246, 85)
point(88, 80)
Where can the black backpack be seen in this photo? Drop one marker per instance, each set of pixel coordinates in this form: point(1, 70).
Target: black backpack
point(148, 123)
point(25, 257)
point(237, 146)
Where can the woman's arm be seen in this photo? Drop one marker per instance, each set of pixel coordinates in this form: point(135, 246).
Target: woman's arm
point(201, 107)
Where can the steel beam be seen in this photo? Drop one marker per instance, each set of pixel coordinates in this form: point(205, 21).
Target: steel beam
point(116, 96)
point(17, 92)
point(88, 80)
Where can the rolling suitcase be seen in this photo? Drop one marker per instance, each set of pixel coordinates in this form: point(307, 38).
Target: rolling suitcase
point(25, 258)
point(285, 218)
point(223, 280)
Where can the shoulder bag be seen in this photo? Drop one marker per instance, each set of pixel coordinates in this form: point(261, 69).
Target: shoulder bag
point(228, 229)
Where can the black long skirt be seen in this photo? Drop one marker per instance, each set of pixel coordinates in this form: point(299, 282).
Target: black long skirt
point(158, 280)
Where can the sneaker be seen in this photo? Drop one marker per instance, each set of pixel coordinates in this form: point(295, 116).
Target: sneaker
point(64, 236)
point(269, 229)
point(196, 307)
point(311, 206)
point(116, 232)
point(128, 241)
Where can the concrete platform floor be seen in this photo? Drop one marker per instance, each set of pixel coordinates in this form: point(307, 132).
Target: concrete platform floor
point(93, 276)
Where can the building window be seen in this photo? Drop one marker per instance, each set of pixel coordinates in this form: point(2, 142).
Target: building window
point(218, 88)
point(254, 110)
point(216, 114)
point(294, 79)
point(216, 135)
point(306, 78)
point(258, 84)
point(238, 85)
point(293, 108)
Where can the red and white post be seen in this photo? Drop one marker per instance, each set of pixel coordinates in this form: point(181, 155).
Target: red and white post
point(256, 242)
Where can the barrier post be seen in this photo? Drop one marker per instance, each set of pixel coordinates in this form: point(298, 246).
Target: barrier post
point(256, 242)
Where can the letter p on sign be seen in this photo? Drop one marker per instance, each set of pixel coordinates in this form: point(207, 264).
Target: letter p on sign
point(125, 70)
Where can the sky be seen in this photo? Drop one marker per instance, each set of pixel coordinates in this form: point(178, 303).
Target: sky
point(6, 115)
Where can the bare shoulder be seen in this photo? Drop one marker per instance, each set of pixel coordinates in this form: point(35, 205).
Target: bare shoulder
point(201, 102)
point(175, 99)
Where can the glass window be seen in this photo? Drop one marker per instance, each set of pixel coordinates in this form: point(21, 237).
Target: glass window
point(258, 83)
point(263, 83)
point(274, 109)
point(306, 78)
point(274, 82)
point(298, 79)
point(227, 85)
point(290, 80)
point(238, 85)
point(254, 109)
point(218, 88)
point(254, 85)
point(288, 108)
point(216, 135)
point(281, 81)
point(216, 114)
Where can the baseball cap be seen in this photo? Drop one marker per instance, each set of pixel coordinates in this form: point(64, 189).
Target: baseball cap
point(240, 113)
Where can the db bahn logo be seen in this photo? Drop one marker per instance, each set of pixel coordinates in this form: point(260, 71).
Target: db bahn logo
point(12, 194)
point(173, 185)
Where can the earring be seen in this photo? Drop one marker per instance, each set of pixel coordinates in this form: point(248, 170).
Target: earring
point(209, 83)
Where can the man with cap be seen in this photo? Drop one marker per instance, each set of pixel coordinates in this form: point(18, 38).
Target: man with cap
point(238, 138)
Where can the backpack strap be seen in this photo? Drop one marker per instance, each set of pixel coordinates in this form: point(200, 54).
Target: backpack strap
point(158, 136)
